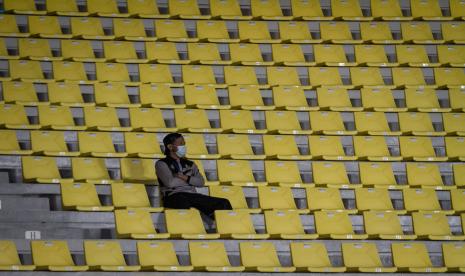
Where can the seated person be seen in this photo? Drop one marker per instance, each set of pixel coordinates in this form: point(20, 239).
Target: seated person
point(178, 177)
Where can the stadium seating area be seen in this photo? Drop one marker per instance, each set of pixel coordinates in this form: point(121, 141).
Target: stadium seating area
point(336, 129)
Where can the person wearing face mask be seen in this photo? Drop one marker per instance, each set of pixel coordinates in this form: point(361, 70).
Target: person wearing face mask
point(178, 178)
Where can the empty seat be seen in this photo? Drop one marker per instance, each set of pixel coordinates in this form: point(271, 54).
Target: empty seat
point(282, 147)
point(88, 28)
point(286, 224)
point(247, 97)
point(283, 76)
point(414, 56)
point(235, 195)
point(308, 10)
point(113, 72)
point(27, 70)
point(247, 54)
point(205, 53)
point(291, 98)
point(159, 256)
point(90, 170)
point(106, 256)
point(363, 257)
point(131, 197)
point(423, 100)
point(187, 224)
point(157, 95)
point(239, 121)
point(15, 117)
point(454, 123)
point(196, 147)
point(121, 52)
point(196, 74)
point(375, 199)
point(103, 119)
point(236, 224)
point(328, 123)
point(64, 8)
point(136, 224)
point(138, 170)
point(455, 149)
point(418, 33)
point(172, 30)
point(9, 259)
point(407, 77)
point(144, 9)
point(451, 55)
point(277, 198)
point(284, 122)
point(98, 144)
point(326, 199)
point(427, 10)
point(449, 77)
point(9, 27)
point(42, 170)
point(379, 99)
point(372, 55)
point(348, 10)
point(378, 175)
point(459, 175)
point(54, 255)
point(418, 149)
point(255, 32)
point(214, 31)
point(331, 174)
point(457, 200)
point(237, 173)
point(70, 72)
point(113, 95)
point(331, 55)
point(22, 7)
point(35, 49)
point(81, 197)
point(453, 32)
point(234, 146)
point(194, 120)
point(57, 118)
point(368, 77)
point(202, 97)
point(453, 255)
point(211, 256)
point(51, 143)
point(241, 75)
point(79, 50)
point(284, 174)
point(326, 76)
point(296, 32)
point(312, 257)
point(422, 200)
point(130, 29)
point(46, 27)
point(144, 145)
point(185, 9)
point(373, 123)
point(373, 148)
point(384, 225)
point(413, 257)
point(106, 8)
point(148, 120)
point(261, 257)
point(433, 226)
point(22, 93)
point(268, 10)
point(335, 99)
point(10, 144)
point(337, 32)
point(328, 148)
point(289, 55)
point(162, 52)
point(335, 225)
point(417, 124)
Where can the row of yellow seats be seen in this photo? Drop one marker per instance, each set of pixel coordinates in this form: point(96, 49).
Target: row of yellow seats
point(54, 255)
point(235, 121)
point(130, 196)
point(238, 97)
point(31, 71)
point(44, 169)
point(232, 146)
point(232, 9)
point(239, 53)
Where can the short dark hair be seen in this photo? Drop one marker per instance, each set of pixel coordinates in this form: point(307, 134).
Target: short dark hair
point(169, 139)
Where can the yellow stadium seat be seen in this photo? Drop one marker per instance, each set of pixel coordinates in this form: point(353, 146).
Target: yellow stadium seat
point(328, 148)
point(375, 199)
point(247, 54)
point(9, 27)
point(368, 77)
point(10, 144)
point(106, 256)
point(373, 148)
point(454, 256)
point(112, 95)
point(91, 170)
point(22, 7)
point(407, 77)
point(138, 170)
point(81, 197)
point(185, 9)
point(78, 50)
point(235, 195)
point(326, 76)
point(268, 10)
point(457, 200)
point(232, 146)
point(214, 31)
point(27, 70)
point(211, 256)
point(348, 10)
point(326, 199)
point(105, 8)
point(97, 144)
point(418, 149)
point(423, 100)
point(255, 32)
point(197, 74)
point(46, 27)
point(22, 93)
point(239, 121)
point(331, 174)
point(453, 32)
point(413, 257)
point(454, 123)
point(449, 77)
point(422, 200)
point(433, 226)
point(373, 123)
point(50, 143)
point(427, 10)
point(328, 123)
point(283, 76)
point(64, 8)
point(455, 148)
point(130, 29)
point(158, 96)
point(284, 122)
point(202, 97)
point(247, 97)
point(172, 30)
point(312, 257)
point(289, 55)
point(379, 99)
point(156, 74)
point(205, 53)
point(159, 256)
point(88, 28)
point(416, 123)
point(261, 257)
point(337, 33)
point(103, 119)
point(236, 224)
point(378, 32)
point(286, 224)
point(296, 32)
point(121, 52)
point(42, 170)
point(387, 10)
point(291, 98)
point(284, 174)
point(278, 198)
point(425, 175)
point(136, 224)
point(459, 175)
point(378, 175)
point(9, 258)
point(236, 173)
point(113, 72)
point(227, 10)
point(372, 55)
point(54, 256)
point(418, 33)
point(187, 224)
point(414, 56)
point(144, 145)
point(331, 55)
point(132, 197)
point(196, 147)
point(162, 52)
point(335, 225)
point(451, 55)
point(15, 117)
point(457, 9)
point(70, 72)
point(194, 120)
point(148, 120)
point(144, 9)
point(282, 147)
point(308, 10)
point(241, 75)
point(335, 99)
point(363, 257)
point(35, 49)
point(384, 225)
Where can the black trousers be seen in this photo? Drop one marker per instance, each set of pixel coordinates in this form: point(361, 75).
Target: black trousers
point(205, 204)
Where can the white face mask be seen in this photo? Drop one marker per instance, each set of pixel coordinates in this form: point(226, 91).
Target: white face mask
point(181, 152)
